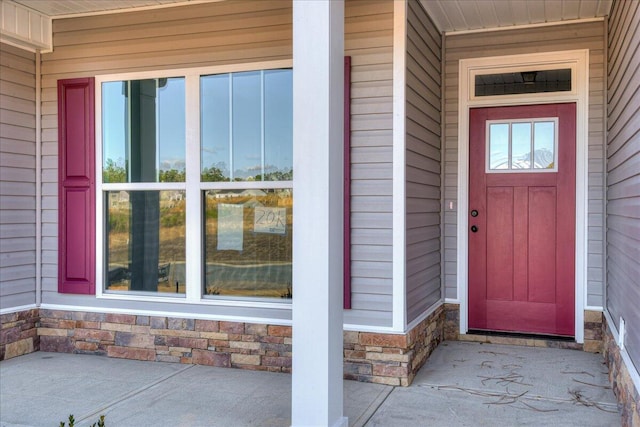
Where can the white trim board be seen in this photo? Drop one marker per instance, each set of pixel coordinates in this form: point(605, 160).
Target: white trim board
point(399, 161)
point(578, 62)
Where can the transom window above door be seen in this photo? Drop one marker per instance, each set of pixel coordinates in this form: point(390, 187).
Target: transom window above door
point(529, 145)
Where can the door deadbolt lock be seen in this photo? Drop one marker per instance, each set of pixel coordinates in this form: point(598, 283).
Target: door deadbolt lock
point(474, 213)
point(474, 228)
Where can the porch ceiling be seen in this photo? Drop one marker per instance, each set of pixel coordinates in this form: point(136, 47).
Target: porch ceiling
point(449, 15)
point(461, 15)
point(63, 8)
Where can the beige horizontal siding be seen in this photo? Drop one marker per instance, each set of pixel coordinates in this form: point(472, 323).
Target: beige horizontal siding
point(521, 41)
point(17, 177)
point(369, 42)
point(623, 169)
point(423, 162)
point(233, 32)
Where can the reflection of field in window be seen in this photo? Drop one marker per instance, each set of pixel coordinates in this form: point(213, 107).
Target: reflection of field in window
point(261, 266)
point(169, 255)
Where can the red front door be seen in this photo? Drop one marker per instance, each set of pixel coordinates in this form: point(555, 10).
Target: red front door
point(522, 219)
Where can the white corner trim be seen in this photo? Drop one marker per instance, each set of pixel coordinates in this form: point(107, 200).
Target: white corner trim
point(399, 130)
point(578, 62)
point(38, 179)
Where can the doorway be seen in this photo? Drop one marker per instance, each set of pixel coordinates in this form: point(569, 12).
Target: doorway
point(521, 217)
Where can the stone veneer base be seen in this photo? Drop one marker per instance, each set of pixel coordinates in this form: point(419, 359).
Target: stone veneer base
point(19, 334)
point(392, 359)
point(623, 387)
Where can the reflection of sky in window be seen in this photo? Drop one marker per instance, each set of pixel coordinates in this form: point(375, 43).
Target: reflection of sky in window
point(544, 146)
point(171, 124)
point(247, 121)
point(520, 145)
point(499, 146)
point(214, 122)
point(278, 93)
point(170, 104)
point(247, 124)
point(113, 123)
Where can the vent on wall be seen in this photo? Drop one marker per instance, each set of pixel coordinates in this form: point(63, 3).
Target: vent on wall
point(621, 333)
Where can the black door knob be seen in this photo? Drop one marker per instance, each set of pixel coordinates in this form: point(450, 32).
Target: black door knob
point(474, 213)
point(474, 228)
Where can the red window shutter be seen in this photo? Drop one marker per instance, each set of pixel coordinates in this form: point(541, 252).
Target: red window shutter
point(347, 183)
point(76, 187)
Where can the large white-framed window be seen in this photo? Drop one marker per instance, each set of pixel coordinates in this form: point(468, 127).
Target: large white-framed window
point(194, 183)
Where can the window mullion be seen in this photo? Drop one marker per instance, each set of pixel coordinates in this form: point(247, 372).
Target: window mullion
point(532, 154)
point(262, 123)
point(193, 267)
point(231, 165)
point(510, 148)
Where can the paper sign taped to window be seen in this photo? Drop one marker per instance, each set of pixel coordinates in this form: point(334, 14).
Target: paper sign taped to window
point(270, 220)
point(230, 227)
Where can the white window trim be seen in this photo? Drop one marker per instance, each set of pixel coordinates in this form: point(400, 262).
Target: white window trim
point(193, 286)
point(578, 62)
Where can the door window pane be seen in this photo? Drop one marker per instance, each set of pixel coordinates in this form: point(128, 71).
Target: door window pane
point(499, 146)
point(143, 125)
point(248, 243)
point(544, 145)
point(145, 241)
point(521, 146)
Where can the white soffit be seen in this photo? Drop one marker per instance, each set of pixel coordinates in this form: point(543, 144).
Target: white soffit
point(465, 15)
point(67, 8)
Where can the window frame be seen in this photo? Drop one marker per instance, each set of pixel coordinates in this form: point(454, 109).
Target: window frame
point(511, 122)
point(192, 186)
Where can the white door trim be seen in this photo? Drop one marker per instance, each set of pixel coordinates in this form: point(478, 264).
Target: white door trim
point(578, 62)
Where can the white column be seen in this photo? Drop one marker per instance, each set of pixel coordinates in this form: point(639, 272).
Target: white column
point(318, 50)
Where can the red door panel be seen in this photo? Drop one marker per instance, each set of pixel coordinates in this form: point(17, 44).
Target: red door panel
point(522, 252)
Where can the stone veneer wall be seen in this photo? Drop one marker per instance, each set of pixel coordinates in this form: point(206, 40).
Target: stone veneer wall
point(392, 359)
point(18, 333)
point(167, 339)
point(626, 393)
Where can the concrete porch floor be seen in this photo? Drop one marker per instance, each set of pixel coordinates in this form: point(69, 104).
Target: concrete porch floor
point(462, 384)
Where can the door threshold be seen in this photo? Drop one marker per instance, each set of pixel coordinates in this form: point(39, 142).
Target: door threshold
point(520, 335)
point(521, 339)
